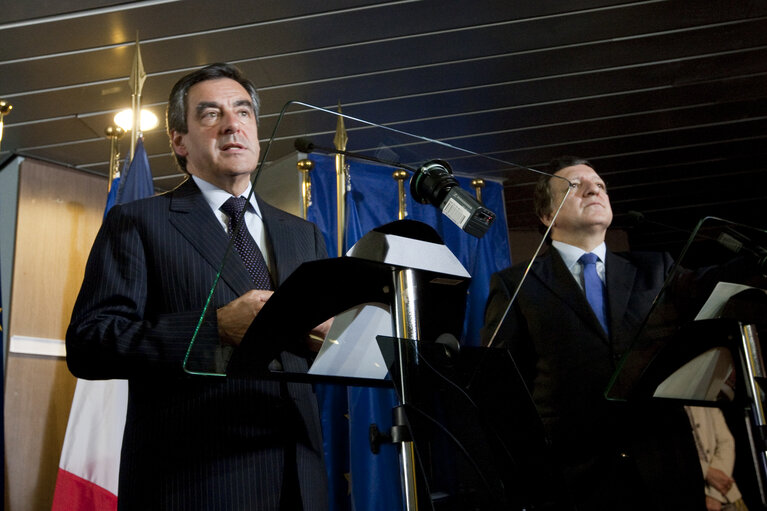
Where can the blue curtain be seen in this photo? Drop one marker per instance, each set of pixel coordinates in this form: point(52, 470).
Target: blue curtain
point(360, 480)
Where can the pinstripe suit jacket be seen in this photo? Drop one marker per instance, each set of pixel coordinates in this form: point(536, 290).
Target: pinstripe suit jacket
point(192, 442)
point(611, 457)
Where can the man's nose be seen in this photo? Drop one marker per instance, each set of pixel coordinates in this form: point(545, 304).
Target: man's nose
point(589, 188)
point(230, 124)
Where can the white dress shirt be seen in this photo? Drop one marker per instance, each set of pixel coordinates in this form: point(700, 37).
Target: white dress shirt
point(216, 197)
point(570, 255)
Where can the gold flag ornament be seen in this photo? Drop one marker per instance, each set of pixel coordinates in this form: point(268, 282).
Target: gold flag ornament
point(137, 79)
point(137, 74)
point(5, 109)
point(340, 140)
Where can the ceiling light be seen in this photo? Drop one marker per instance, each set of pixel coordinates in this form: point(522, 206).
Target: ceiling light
point(148, 120)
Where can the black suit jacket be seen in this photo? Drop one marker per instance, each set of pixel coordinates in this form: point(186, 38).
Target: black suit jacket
point(192, 442)
point(611, 456)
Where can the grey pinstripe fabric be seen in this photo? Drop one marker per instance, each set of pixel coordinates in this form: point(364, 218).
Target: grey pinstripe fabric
point(192, 442)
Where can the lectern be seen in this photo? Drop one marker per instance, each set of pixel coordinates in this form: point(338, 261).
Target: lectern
point(700, 343)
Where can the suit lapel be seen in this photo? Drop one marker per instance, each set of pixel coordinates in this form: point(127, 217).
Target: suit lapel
point(551, 270)
point(620, 275)
point(281, 246)
point(190, 214)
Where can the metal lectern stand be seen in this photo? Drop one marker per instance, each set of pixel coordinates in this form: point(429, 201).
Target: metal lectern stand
point(417, 259)
point(403, 266)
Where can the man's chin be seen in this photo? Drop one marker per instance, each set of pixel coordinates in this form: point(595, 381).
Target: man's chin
point(236, 171)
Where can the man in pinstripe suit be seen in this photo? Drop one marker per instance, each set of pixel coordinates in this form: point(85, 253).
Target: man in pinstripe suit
point(194, 442)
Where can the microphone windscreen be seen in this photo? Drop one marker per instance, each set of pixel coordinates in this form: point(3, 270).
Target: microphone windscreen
point(637, 217)
point(303, 145)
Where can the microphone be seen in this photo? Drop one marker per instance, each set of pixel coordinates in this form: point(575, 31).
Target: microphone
point(304, 145)
point(637, 217)
point(729, 238)
point(434, 183)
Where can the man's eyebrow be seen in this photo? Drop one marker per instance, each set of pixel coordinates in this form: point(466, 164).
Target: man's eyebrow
point(244, 102)
point(202, 105)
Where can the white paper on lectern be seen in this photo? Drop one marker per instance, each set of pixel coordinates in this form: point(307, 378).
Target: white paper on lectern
point(718, 298)
point(350, 349)
point(408, 253)
point(705, 377)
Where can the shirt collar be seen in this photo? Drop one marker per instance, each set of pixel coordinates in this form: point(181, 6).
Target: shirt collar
point(216, 197)
point(570, 253)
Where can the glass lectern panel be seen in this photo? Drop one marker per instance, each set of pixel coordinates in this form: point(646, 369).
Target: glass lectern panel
point(692, 342)
point(479, 441)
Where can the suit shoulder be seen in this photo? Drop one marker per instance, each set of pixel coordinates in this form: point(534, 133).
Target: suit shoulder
point(141, 207)
point(644, 258)
point(275, 212)
point(650, 264)
point(515, 272)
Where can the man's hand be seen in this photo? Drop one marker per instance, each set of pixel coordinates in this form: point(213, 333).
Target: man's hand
point(317, 335)
point(235, 317)
point(719, 480)
point(712, 504)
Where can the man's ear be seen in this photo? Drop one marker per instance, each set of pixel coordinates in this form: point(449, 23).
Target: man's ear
point(179, 143)
point(546, 219)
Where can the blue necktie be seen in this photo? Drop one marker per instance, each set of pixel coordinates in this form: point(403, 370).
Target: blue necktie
point(245, 244)
point(594, 288)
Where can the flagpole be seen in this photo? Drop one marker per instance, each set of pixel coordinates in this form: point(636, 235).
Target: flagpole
point(305, 166)
point(137, 78)
point(340, 141)
point(5, 109)
point(478, 184)
point(114, 134)
point(400, 176)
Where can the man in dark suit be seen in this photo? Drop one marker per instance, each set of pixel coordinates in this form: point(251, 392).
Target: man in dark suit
point(197, 442)
point(612, 456)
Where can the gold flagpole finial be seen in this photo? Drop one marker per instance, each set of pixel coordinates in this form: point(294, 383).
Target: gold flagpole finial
point(5, 109)
point(114, 134)
point(400, 176)
point(137, 79)
point(305, 166)
point(478, 184)
point(340, 140)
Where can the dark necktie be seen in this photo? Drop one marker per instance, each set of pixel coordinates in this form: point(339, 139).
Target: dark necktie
point(594, 288)
point(245, 244)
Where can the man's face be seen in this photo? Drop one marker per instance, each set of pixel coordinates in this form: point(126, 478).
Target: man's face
point(587, 209)
point(222, 139)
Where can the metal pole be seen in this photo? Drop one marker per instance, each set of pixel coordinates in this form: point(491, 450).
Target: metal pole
point(136, 123)
point(754, 371)
point(478, 185)
point(5, 109)
point(400, 176)
point(113, 133)
point(339, 141)
point(137, 78)
point(304, 167)
point(406, 326)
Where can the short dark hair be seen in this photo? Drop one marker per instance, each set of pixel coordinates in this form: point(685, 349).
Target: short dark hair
point(176, 113)
point(542, 196)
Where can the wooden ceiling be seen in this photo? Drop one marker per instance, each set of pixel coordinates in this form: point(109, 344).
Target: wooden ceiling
point(667, 98)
